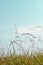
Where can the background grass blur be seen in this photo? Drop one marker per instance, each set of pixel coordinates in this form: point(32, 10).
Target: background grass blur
point(21, 59)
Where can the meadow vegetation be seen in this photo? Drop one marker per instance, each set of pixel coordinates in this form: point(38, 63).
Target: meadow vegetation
point(22, 59)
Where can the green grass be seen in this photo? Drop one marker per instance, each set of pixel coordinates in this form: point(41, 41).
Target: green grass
point(14, 59)
point(21, 60)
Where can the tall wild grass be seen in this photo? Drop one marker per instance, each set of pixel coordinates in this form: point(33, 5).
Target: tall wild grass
point(24, 58)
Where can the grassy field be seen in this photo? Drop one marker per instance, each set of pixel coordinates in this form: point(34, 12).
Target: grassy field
point(24, 59)
point(21, 60)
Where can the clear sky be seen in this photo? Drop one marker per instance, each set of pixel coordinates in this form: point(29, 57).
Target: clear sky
point(19, 12)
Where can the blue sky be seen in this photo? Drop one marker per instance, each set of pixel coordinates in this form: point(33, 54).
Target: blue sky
point(21, 13)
